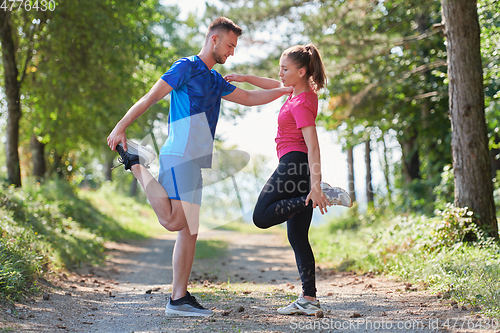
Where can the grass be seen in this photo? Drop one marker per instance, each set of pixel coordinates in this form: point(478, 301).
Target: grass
point(467, 274)
point(428, 250)
point(19, 268)
point(129, 218)
point(210, 248)
point(55, 226)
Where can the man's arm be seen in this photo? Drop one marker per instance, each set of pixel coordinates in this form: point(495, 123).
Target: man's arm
point(159, 91)
point(256, 97)
point(261, 82)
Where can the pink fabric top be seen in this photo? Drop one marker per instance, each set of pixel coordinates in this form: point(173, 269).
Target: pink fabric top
point(297, 112)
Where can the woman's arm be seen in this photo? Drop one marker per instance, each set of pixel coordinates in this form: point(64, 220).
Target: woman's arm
point(256, 97)
point(261, 82)
point(316, 195)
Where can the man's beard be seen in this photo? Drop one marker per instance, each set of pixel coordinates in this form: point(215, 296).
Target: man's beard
point(220, 59)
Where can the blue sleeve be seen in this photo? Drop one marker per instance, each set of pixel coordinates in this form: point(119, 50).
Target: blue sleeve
point(178, 74)
point(227, 87)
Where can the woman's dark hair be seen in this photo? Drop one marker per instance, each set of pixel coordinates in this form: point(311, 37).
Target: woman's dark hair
point(308, 57)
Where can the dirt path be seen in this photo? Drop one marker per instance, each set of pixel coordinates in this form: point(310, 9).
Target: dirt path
point(244, 289)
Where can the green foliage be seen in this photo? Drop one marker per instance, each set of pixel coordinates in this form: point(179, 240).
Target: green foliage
point(489, 17)
point(342, 242)
point(61, 240)
point(86, 64)
point(123, 217)
point(434, 251)
point(467, 274)
point(416, 196)
point(388, 76)
point(19, 263)
point(496, 191)
point(445, 190)
point(91, 61)
point(455, 226)
point(349, 221)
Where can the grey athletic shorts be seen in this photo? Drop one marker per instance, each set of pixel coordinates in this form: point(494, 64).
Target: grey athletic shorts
point(181, 178)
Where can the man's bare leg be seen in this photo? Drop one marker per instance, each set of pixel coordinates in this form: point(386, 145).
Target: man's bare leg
point(170, 213)
point(182, 262)
point(185, 245)
point(184, 250)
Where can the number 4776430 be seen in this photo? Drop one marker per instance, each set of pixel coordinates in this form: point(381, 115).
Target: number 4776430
point(28, 5)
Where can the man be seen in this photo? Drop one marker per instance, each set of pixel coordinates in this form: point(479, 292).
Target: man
point(196, 91)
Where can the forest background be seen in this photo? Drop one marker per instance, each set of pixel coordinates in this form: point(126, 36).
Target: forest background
point(407, 72)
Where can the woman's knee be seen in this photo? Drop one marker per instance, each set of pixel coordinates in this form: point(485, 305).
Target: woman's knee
point(259, 221)
point(262, 226)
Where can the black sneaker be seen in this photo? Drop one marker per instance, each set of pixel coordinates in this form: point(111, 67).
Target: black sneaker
point(186, 306)
point(136, 154)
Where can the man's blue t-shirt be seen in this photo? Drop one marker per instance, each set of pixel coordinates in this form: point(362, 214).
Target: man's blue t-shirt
point(194, 109)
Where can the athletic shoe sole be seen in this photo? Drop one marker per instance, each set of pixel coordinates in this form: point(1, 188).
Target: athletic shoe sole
point(299, 311)
point(175, 313)
point(146, 155)
point(336, 195)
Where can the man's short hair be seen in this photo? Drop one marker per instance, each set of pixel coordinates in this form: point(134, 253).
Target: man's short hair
point(224, 24)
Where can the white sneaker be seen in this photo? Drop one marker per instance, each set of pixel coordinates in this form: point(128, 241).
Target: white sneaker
point(336, 195)
point(300, 306)
point(136, 154)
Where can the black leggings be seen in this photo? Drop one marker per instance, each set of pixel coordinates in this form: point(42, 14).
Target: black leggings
point(283, 199)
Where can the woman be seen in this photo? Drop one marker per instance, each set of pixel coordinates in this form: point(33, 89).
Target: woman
point(295, 187)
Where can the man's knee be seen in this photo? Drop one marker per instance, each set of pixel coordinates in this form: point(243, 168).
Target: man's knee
point(175, 222)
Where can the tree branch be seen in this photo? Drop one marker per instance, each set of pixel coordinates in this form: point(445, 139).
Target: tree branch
point(359, 97)
point(29, 55)
point(422, 96)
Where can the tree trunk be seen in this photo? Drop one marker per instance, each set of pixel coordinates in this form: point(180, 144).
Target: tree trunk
point(386, 169)
point(411, 161)
point(350, 173)
point(38, 158)
point(12, 87)
point(471, 161)
point(368, 164)
point(108, 164)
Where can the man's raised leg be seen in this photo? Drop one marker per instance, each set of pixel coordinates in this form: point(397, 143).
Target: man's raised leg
point(170, 213)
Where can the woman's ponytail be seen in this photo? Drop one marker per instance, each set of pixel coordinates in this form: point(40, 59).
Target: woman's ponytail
point(316, 68)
